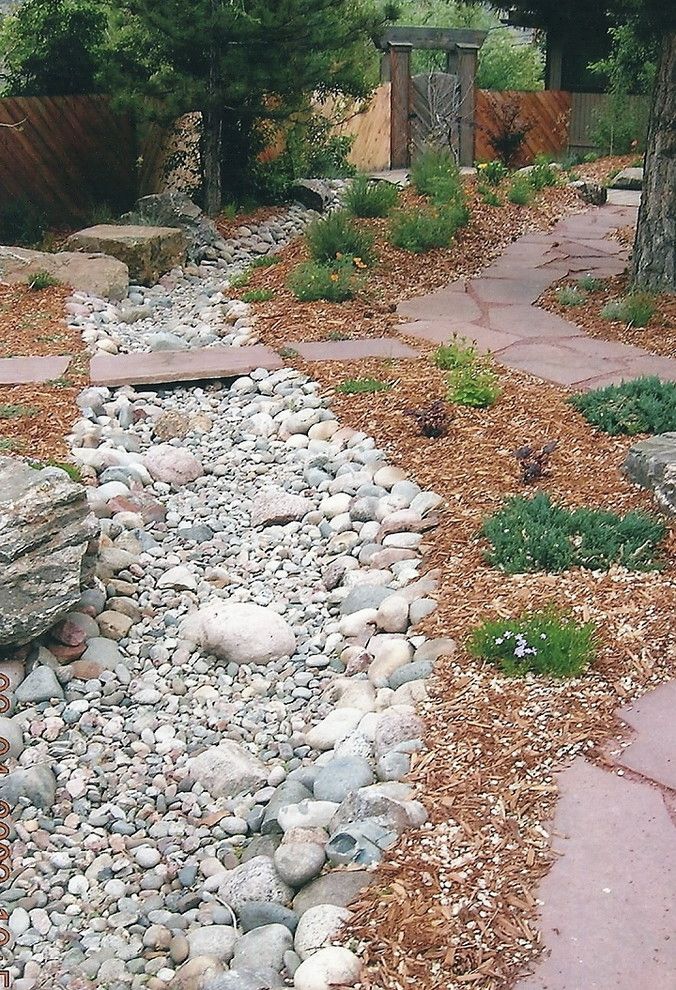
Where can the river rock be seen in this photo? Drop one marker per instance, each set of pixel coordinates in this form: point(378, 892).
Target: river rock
point(299, 862)
point(263, 947)
point(40, 685)
point(36, 783)
point(276, 507)
point(329, 967)
point(45, 531)
point(173, 465)
point(227, 769)
point(340, 776)
point(255, 880)
point(240, 632)
point(216, 941)
point(319, 926)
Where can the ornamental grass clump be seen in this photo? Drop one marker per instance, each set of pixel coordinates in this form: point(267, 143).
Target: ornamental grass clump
point(534, 534)
point(338, 238)
point(420, 230)
point(635, 309)
point(541, 175)
point(312, 281)
point(520, 191)
point(435, 173)
point(542, 642)
point(366, 198)
point(644, 405)
point(566, 295)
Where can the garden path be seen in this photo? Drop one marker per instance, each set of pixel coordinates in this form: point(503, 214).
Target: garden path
point(608, 903)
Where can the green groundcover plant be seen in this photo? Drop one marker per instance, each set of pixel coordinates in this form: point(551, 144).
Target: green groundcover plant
point(534, 534)
point(366, 198)
point(313, 281)
point(362, 386)
point(644, 405)
point(542, 642)
point(339, 238)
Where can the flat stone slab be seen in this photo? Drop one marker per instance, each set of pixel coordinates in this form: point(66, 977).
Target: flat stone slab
point(628, 178)
point(148, 252)
point(164, 367)
point(26, 370)
point(624, 197)
point(652, 464)
point(652, 753)
point(96, 274)
point(351, 350)
point(608, 902)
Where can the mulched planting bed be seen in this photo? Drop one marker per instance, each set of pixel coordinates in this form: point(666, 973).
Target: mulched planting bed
point(602, 169)
point(34, 419)
point(454, 905)
point(399, 274)
point(658, 336)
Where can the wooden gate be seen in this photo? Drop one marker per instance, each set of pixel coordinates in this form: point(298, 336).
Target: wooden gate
point(434, 113)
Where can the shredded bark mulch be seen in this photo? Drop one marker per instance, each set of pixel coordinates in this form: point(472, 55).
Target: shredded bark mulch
point(34, 419)
point(658, 336)
point(604, 168)
point(454, 905)
point(399, 274)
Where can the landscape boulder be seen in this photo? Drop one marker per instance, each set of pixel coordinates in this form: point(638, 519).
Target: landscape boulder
point(313, 194)
point(651, 463)
point(628, 178)
point(240, 632)
point(227, 770)
point(97, 274)
point(176, 209)
point(148, 252)
point(590, 192)
point(46, 530)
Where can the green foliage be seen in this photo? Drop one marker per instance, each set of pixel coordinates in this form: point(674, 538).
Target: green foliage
point(459, 353)
point(16, 410)
point(239, 279)
point(520, 191)
point(542, 642)
point(590, 283)
point(489, 196)
point(42, 280)
point(542, 174)
point(436, 175)
point(362, 386)
point(568, 296)
point(631, 64)
point(634, 309)
point(313, 280)
point(339, 238)
point(22, 223)
point(72, 470)
point(533, 534)
point(473, 385)
point(644, 405)
point(366, 198)
point(492, 172)
point(266, 261)
point(52, 47)
point(620, 126)
point(258, 295)
point(420, 230)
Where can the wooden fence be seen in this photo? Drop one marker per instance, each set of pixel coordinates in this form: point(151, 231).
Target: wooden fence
point(545, 113)
point(65, 154)
point(368, 124)
point(586, 107)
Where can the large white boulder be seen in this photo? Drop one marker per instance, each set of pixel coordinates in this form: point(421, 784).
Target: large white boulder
point(239, 632)
point(318, 927)
point(330, 967)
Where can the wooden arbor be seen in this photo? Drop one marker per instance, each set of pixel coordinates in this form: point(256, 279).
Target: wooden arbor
point(461, 47)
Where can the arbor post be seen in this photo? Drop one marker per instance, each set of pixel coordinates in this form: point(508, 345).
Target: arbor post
point(400, 104)
point(467, 60)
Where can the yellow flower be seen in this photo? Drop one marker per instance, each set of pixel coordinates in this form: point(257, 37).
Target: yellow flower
point(358, 263)
point(334, 277)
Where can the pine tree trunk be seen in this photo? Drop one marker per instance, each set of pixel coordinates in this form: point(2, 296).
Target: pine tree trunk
point(654, 264)
point(212, 131)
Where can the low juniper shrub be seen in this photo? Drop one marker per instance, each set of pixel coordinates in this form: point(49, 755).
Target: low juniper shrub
point(258, 295)
point(541, 642)
point(534, 534)
point(644, 405)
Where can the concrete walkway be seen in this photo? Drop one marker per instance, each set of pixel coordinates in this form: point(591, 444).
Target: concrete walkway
point(496, 309)
point(608, 916)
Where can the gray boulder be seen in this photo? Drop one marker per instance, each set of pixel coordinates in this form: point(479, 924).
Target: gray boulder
point(45, 534)
point(314, 194)
point(652, 464)
point(628, 178)
point(35, 784)
point(176, 209)
point(590, 192)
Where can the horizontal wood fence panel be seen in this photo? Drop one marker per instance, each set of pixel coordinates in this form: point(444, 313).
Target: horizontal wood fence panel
point(66, 154)
point(546, 112)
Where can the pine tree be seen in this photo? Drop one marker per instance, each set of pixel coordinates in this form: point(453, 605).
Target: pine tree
point(238, 62)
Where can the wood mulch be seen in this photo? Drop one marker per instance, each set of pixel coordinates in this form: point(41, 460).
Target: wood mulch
point(658, 336)
point(454, 905)
point(34, 419)
point(603, 168)
point(398, 274)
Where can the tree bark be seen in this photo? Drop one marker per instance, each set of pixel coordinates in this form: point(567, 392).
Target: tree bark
point(654, 262)
point(212, 131)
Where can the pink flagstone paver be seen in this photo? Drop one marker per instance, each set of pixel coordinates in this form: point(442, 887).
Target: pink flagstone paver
point(26, 370)
point(609, 901)
point(652, 752)
point(496, 309)
point(180, 366)
point(350, 350)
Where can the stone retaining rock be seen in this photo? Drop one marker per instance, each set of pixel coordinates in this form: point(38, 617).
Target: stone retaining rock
point(45, 532)
point(96, 274)
point(652, 464)
point(148, 252)
point(628, 178)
